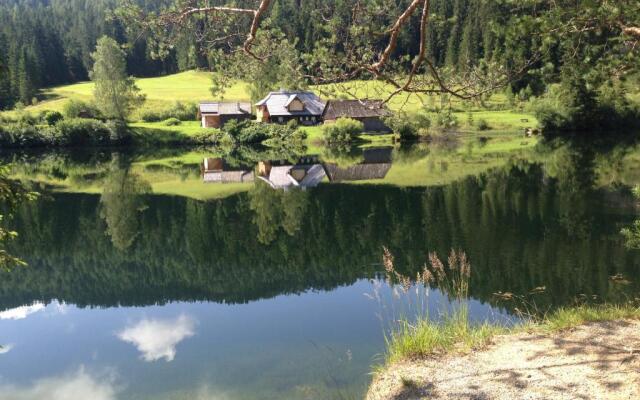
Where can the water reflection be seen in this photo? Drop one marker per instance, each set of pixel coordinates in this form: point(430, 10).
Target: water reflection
point(79, 385)
point(258, 293)
point(21, 312)
point(157, 338)
point(305, 172)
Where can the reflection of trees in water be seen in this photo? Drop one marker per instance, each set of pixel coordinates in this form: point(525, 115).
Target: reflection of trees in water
point(121, 203)
point(631, 233)
point(521, 228)
point(277, 209)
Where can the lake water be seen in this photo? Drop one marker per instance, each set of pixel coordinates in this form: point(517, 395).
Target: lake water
point(144, 282)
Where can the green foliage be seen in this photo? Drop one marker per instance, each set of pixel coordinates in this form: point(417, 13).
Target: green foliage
point(115, 92)
point(281, 69)
point(211, 137)
point(52, 117)
point(26, 135)
point(632, 233)
point(67, 132)
point(482, 125)
point(247, 132)
point(344, 130)
point(409, 125)
point(79, 132)
point(574, 106)
point(445, 119)
point(80, 109)
point(12, 195)
point(171, 122)
point(121, 202)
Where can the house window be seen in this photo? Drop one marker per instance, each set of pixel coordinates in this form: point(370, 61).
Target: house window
point(280, 119)
point(313, 119)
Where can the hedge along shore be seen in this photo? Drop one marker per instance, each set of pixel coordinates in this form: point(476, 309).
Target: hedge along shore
point(585, 352)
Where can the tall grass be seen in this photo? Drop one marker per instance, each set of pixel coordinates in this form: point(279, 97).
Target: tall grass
point(418, 333)
point(423, 334)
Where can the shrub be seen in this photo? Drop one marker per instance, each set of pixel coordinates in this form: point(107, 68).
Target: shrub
point(482, 125)
point(21, 135)
point(52, 117)
point(79, 131)
point(446, 120)
point(171, 122)
point(210, 136)
point(409, 126)
point(344, 130)
point(80, 109)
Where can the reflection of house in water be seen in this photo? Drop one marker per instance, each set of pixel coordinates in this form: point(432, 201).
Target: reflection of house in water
point(216, 170)
point(307, 172)
point(376, 165)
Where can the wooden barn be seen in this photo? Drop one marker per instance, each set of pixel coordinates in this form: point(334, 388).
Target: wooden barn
point(216, 114)
point(284, 106)
point(370, 112)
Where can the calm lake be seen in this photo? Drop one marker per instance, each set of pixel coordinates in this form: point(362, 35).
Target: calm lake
point(146, 282)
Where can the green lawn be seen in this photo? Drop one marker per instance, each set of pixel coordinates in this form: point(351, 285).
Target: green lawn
point(190, 86)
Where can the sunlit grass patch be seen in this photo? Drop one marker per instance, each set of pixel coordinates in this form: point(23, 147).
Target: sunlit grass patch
point(569, 317)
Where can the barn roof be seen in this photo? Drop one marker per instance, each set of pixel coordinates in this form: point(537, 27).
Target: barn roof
point(225, 108)
point(277, 103)
point(355, 109)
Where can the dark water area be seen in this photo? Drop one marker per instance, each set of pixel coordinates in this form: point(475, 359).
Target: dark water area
point(260, 293)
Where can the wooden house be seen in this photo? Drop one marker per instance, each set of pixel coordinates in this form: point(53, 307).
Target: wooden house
point(284, 106)
point(216, 114)
point(370, 112)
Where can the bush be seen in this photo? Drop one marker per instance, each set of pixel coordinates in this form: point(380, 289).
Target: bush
point(344, 130)
point(179, 111)
point(210, 137)
point(171, 122)
point(79, 131)
point(409, 126)
point(23, 135)
point(446, 120)
point(482, 125)
point(52, 117)
point(80, 109)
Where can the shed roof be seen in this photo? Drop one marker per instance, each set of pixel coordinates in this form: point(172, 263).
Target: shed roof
point(277, 103)
point(225, 108)
point(355, 109)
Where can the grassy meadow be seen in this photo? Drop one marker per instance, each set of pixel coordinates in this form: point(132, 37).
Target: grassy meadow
point(194, 86)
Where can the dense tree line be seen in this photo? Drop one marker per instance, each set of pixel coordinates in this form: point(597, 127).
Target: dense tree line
point(49, 42)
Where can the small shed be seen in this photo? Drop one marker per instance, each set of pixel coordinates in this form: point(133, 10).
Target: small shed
point(216, 114)
point(369, 112)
